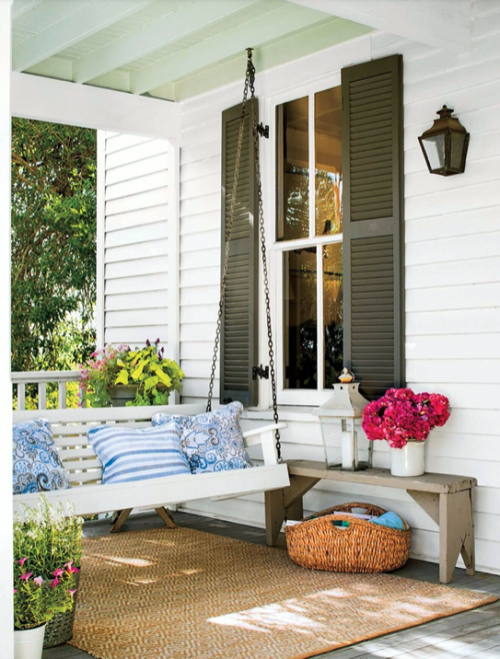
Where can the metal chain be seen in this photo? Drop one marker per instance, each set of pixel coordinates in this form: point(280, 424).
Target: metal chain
point(249, 85)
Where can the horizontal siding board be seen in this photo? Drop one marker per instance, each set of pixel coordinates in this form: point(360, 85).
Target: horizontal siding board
point(138, 201)
point(138, 217)
point(137, 185)
point(152, 265)
point(137, 317)
point(143, 250)
point(133, 285)
point(136, 235)
point(136, 153)
point(136, 336)
point(142, 300)
point(137, 169)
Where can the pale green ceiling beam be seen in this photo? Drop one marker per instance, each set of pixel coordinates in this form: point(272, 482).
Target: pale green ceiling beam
point(187, 20)
point(89, 18)
point(299, 44)
point(259, 30)
point(20, 7)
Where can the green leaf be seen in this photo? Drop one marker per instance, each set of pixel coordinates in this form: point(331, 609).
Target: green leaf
point(122, 377)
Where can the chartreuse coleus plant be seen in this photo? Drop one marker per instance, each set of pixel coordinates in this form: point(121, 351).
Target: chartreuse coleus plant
point(147, 368)
point(155, 376)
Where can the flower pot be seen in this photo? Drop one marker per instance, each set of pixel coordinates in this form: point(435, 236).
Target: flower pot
point(122, 394)
point(60, 629)
point(28, 643)
point(409, 460)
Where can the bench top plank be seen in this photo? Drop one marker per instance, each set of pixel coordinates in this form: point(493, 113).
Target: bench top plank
point(434, 483)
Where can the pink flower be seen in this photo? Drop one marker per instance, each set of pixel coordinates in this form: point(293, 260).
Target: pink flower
point(70, 569)
point(72, 591)
point(54, 583)
point(15, 591)
point(402, 416)
point(26, 576)
point(58, 573)
point(38, 580)
point(22, 561)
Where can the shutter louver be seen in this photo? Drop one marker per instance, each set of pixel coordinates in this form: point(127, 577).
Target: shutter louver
point(372, 144)
point(239, 335)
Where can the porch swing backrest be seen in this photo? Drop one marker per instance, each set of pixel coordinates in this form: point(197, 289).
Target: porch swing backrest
point(87, 494)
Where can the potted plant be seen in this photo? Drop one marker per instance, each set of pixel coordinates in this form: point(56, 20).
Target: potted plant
point(121, 376)
point(47, 550)
point(404, 419)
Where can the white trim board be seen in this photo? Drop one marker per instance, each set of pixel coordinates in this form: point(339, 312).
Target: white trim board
point(35, 97)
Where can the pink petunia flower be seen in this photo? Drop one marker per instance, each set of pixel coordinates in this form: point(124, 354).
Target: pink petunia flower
point(58, 573)
point(72, 591)
point(22, 561)
point(38, 580)
point(26, 576)
point(15, 591)
point(54, 583)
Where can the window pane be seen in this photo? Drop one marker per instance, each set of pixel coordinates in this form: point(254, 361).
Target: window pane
point(328, 161)
point(293, 169)
point(332, 312)
point(300, 319)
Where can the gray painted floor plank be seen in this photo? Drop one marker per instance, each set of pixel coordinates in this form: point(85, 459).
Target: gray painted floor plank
point(472, 634)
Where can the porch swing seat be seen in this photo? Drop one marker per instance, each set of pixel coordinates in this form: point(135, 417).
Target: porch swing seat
point(88, 496)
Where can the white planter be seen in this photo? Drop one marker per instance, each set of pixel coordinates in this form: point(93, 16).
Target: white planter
point(409, 460)
point(28, 643)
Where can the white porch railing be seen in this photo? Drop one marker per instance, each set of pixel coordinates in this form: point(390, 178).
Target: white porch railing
point(41, 379)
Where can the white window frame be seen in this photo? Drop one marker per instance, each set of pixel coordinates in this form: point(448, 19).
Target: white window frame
point(295, 397)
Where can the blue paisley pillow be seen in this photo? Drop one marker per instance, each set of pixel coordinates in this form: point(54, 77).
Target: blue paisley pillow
point(36, 463)
point(212, 441)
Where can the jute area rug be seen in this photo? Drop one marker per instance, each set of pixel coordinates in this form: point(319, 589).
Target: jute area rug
point(183, 594)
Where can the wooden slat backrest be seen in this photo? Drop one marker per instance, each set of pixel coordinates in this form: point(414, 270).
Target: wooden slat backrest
point(69, 429)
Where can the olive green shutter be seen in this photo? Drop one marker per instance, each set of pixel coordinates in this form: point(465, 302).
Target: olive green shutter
point(239, 332)
point(372, 147)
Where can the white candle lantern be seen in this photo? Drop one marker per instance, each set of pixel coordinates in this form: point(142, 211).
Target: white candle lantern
point(346, 404)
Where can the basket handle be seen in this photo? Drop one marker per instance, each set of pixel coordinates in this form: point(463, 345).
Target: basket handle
point(348, 508)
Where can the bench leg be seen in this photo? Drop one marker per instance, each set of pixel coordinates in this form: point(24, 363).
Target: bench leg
point(286, 503)
point(275, 515)
point(456, 533)
point(120, 519)
point(166, 516)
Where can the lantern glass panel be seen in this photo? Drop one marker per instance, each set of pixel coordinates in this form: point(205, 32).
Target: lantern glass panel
point(435, 150)
point(457, 149)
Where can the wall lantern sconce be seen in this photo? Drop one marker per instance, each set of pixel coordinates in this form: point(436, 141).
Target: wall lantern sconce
point(346, 404)
point(445, 144)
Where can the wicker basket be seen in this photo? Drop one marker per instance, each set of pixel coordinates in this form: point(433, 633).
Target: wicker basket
point(60, 629)
point(361, 547)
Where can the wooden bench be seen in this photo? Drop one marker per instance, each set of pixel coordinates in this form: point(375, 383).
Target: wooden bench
point(88, 496)
point(447, 499)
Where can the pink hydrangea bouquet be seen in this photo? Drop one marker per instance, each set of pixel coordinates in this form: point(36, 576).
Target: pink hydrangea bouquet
point(402, 416)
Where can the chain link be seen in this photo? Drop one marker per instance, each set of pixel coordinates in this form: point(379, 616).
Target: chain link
point(249, 86)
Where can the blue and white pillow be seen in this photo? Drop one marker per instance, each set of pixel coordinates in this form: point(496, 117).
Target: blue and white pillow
point(36, 463)
point(212, 441)
point(136, 454)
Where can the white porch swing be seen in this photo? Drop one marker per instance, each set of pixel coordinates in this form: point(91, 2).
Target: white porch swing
point(88, 496)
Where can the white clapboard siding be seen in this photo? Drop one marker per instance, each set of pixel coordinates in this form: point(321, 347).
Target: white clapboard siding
point(452, 255)
point(138, 218)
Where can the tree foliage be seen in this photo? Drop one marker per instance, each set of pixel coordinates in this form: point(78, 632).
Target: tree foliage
point(53, 245)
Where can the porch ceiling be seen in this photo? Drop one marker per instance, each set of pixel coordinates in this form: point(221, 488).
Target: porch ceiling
point(170, 49)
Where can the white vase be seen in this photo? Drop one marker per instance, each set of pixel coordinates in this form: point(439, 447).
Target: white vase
point(409, 460)
point(28, 643)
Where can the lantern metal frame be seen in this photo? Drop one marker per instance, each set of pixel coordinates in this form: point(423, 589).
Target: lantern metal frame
point(345, 404)
point(447, 126)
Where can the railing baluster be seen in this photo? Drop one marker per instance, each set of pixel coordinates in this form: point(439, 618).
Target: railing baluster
point(62, 395)
point(42, 396)
point(21, 396)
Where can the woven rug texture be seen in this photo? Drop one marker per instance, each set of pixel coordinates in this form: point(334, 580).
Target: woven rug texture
point(184, 594)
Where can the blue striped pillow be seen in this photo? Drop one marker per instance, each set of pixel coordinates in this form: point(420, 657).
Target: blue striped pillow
point(136, 454)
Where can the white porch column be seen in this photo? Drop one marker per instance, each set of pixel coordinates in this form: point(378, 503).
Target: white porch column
point(6, 598)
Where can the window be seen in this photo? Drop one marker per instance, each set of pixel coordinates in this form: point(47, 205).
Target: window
point(309, 233)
